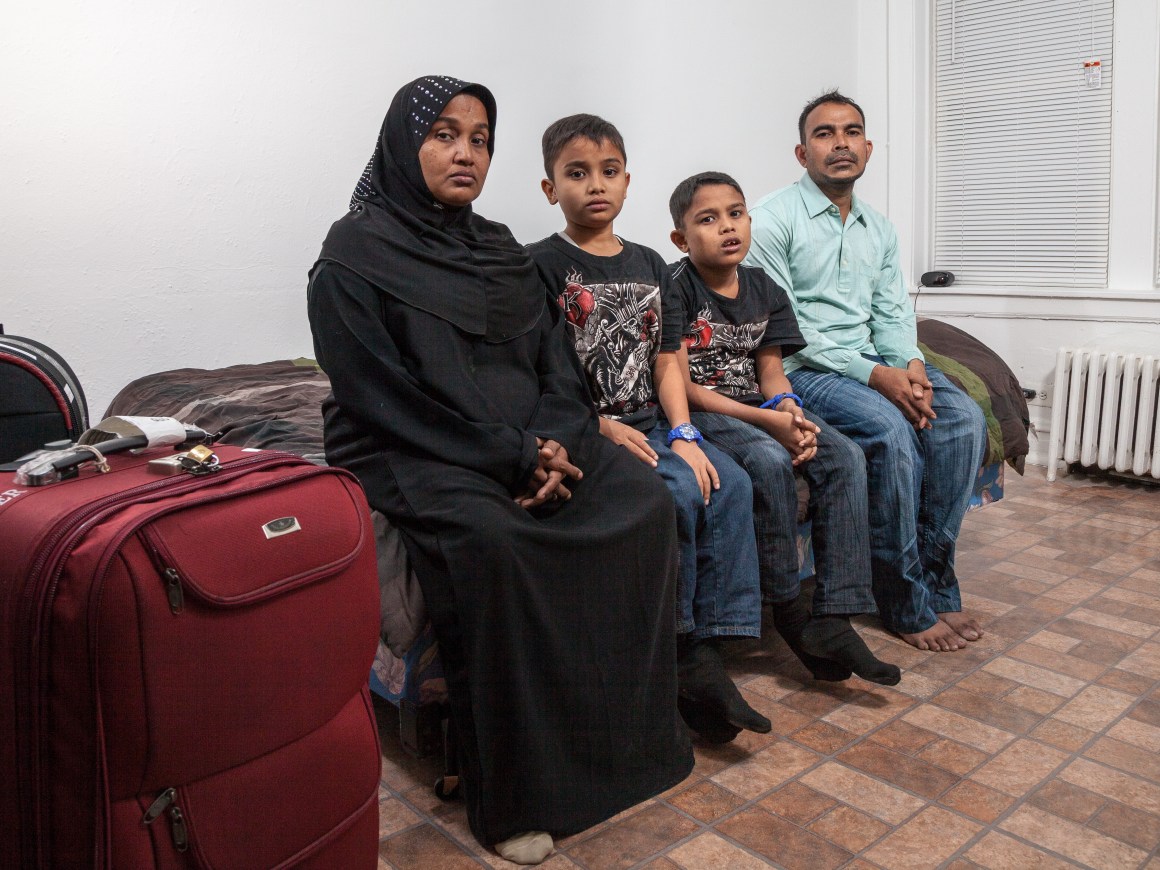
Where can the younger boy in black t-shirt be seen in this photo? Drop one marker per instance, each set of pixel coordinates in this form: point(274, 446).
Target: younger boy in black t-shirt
point(617, 298)
point(738, 326)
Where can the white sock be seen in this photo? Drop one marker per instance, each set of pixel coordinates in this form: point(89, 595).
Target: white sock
point(530, 847)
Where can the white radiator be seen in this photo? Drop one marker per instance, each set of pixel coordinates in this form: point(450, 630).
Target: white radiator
point(1103, 412)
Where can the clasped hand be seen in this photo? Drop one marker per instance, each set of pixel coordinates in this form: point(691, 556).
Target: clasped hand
point(907, 389)
point(547, 483)
point(792, 431)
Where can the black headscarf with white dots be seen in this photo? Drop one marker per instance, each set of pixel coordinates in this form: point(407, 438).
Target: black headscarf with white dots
point(447, 261)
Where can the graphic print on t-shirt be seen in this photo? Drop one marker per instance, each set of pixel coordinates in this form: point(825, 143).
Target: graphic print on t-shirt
point(721, 354)
point(616, 330)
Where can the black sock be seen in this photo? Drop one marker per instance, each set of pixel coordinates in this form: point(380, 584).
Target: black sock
point(711, 725)
point(790, 618)
point(701, 677)
point(834, 638)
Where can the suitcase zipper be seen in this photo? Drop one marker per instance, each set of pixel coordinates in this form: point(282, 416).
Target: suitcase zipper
point(173, 590)
point(177, 826)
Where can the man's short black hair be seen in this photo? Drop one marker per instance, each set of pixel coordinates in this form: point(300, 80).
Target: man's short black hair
point(833, 96)
point(682, 197)
point(582, 126)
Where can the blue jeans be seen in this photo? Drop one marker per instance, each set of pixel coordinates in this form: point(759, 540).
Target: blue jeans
point(837, 481)
point(718, 592)
point(921, 484)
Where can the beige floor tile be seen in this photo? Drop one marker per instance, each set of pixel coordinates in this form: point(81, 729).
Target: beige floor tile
point(394, 815)
point(919, 686)
point(1036, 677)
point(1074, 591)
point(863, 792)
point(1128, 758)
point(1137, 733)
point(1070, 665)
point(1000, 852)
point(1062, 735)
point(1028, 572)
point(979, 604)
point(1114, 784)
point(1053, 641)
point(960, 728)
point(784, 844)
point(797, 803)
point(1103, 620)
point(1144, 661)
point(925, 841)
point(1020, 767)
point(766, 769)
point(1035, 700)
point(977, 801)
point(710, 850)
point(633, 839)
point(1128, 596)
point(1088, 847)
point(1095, 707)
point(706, 801)
point(849, 828)
point(953, 756)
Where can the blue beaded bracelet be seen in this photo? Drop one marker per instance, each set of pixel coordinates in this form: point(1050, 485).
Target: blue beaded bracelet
point(776, 400)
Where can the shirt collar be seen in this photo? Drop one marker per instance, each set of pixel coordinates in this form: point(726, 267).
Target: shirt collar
point(817, 203)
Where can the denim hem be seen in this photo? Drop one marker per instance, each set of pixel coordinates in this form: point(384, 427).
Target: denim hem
point(838, 608)
point(726, 631)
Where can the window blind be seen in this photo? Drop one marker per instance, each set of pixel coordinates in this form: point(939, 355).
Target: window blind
point(1022, 143)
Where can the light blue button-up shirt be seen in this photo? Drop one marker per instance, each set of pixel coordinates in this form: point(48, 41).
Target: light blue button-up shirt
point(844, 281)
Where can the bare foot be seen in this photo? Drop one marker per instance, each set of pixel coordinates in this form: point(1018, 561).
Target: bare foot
point(940, 637)
point(964, 626)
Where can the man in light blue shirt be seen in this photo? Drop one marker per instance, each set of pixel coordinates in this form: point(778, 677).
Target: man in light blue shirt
point(863, 373)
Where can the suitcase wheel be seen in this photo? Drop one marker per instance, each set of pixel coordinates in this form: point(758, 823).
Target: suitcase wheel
point(447, 788)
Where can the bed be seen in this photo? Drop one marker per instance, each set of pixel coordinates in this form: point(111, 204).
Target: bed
point(276, 406)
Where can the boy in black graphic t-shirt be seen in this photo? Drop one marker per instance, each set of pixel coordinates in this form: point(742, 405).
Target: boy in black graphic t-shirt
point(738, 324)
point(617, 297)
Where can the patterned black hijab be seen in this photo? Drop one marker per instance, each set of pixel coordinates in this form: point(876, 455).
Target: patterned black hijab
point(444, 260)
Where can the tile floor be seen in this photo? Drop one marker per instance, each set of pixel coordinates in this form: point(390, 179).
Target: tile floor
point(1037, 747)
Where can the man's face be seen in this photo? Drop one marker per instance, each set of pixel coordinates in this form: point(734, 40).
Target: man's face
point(836, 149)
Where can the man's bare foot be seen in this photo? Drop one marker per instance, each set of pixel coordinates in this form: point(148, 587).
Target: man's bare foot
point(940, 637)
point(963, 625)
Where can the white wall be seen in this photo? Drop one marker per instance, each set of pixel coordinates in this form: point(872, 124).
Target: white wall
point(169, 168)
point(1027, 325)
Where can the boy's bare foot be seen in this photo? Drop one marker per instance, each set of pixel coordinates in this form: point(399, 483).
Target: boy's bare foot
point(964, 626)
point(940, 637)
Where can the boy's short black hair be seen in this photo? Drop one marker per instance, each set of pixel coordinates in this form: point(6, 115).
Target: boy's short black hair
point(832, 96)
point(591, 127)
point(682, 197)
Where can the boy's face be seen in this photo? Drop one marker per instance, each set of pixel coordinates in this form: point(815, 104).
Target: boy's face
point(589, 182)
point(716, 228)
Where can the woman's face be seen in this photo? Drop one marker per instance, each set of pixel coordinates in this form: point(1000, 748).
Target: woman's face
point(454, 156)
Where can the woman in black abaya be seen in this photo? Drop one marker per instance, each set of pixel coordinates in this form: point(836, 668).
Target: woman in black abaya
point(545, 552)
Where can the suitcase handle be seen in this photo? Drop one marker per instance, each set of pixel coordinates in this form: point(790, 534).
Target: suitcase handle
point(52, 467)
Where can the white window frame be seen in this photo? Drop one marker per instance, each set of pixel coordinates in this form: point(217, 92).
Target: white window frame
point(902, 141)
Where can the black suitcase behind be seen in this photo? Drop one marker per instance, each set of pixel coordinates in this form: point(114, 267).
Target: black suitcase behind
point(41, 399)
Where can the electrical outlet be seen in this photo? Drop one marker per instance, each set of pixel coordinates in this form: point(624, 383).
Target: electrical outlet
point(1042, 396)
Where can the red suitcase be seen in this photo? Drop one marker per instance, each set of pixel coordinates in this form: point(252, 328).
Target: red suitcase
point(183, 667)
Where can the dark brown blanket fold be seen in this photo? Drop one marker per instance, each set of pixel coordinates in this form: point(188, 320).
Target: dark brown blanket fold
point(1007, 412)
point(274, 405)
